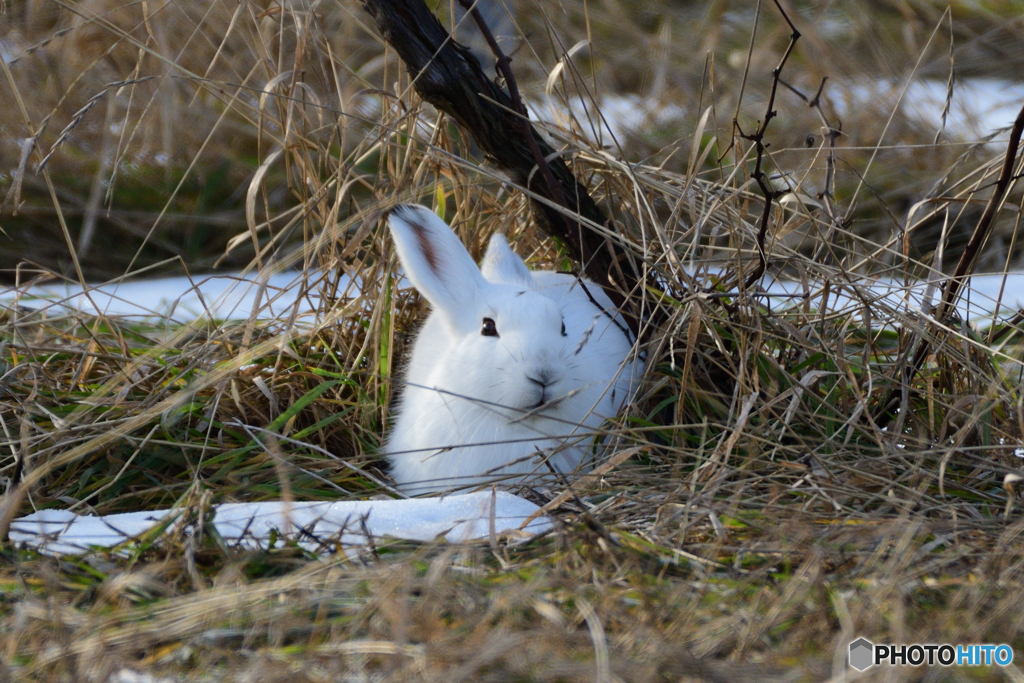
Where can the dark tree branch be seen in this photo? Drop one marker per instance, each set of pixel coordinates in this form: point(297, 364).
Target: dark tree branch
point(448, 76)
point(1010, 325)
point(964, 267)
point(973, 248)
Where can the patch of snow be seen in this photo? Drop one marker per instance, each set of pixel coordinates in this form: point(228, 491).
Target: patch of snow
point(315, 526)
point(231, 297)
point(977, 302)
point(978, 107)
point(176, 299)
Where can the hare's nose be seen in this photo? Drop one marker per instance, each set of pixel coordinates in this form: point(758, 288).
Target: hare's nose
point(544, 377)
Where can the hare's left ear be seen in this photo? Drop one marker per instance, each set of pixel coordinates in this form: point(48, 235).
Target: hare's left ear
point(437, 263)
point(501, 264)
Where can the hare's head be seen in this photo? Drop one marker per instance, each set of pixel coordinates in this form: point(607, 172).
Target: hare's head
point(504, 345)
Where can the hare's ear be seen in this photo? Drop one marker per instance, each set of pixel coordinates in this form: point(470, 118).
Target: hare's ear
point(435, 260)
point(501, 264)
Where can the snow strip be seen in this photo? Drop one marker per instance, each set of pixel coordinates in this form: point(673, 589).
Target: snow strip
point(174, 299)
point(231, 297)
point(315, 526)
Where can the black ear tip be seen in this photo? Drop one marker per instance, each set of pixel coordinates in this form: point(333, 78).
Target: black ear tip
point(402, 211)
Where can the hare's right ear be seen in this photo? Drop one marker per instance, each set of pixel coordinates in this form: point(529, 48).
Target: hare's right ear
point(501, 264)
point(436, 262)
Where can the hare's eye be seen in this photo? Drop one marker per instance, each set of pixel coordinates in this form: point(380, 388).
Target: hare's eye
point(563, 328)
point(489, 328)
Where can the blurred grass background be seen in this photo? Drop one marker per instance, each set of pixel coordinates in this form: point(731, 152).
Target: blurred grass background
point(166, 120)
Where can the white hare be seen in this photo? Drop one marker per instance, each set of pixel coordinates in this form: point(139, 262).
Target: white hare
point(512, 370)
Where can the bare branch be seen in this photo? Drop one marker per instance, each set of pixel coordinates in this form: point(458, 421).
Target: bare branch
point(758, 139)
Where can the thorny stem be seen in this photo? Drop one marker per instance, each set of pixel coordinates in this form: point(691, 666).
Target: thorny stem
point(758, 139)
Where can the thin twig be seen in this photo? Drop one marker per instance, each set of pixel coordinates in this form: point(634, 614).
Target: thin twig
point(758, 139)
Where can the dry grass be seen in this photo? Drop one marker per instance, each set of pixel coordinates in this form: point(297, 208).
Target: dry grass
point(766, 519)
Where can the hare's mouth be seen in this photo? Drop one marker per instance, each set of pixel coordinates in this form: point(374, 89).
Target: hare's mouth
point(529, 412)
point(539, 407)
point(543, 406)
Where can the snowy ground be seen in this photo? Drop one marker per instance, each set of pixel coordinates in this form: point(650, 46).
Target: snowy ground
point(230, 296)
point(982, 296)
point(977, 107)
point(317, 527)
point(233, 297)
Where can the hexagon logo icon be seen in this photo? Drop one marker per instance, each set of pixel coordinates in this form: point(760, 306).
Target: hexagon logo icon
point(862, 654)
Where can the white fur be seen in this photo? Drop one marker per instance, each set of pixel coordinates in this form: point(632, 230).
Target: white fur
point(478, 408)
